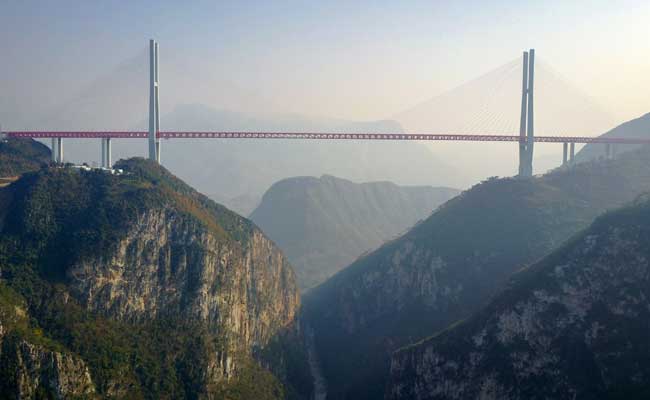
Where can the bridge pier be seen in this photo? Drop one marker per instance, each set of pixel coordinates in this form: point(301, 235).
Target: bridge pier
point(103, 164)
point(572, 153)
point(608, 151)
point(106, 153)
point(109, 162)
point(54, 156)
point(565, 151)
point(58, 150)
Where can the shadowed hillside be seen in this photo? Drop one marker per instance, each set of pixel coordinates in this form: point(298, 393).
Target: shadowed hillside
point(636, 128)
point(323, 224)
point(447, 267)
point(18, 156)
point(573, 326)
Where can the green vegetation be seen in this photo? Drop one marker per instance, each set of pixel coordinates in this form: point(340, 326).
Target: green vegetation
point(18, 156)
point(602, 353)
point(218, 217)
point(323, 224)
point(449, 265)
point(57, 216)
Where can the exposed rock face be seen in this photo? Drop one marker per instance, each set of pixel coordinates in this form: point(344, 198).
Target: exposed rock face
point(323, 224)
point(170, 266)
point(448, 266)
point(34, 371)
point(161, 291)
point(573, 326)
point(29, 370)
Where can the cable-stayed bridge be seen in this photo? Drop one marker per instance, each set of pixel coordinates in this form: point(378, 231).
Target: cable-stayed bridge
point(479, 126)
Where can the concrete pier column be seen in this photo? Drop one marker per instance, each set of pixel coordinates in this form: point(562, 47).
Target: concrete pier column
point(54, 153)
point(108, 155)
point(59, 150)
point(103, 164)
point(572, 152)
point(608, 150)
point(565, 151)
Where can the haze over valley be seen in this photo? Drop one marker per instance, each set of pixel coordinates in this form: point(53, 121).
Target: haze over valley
point(325, 201)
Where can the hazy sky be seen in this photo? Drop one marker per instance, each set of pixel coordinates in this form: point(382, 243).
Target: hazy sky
point(355, 60)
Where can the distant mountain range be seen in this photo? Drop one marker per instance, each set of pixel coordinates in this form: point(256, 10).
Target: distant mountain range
point(323, 224)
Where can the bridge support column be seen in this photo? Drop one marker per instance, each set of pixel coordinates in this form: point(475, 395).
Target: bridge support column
point(103, 164)
point(54, 154)
point(106, 153)
point(109, 162)
point(608, 151)
point(565, 150)
point(59, 150)
point(572, 153)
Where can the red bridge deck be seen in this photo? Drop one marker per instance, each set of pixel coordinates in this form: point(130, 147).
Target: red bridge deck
point(321, 136)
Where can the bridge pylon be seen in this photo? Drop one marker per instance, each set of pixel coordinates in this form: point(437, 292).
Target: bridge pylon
point(527, 120)
point(154, 108)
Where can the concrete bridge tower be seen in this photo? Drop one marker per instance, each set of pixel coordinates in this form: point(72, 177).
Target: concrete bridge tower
point(154, 108)
point(527, 121)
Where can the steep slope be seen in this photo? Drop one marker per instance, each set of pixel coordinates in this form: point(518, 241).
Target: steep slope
point(18, 156)
point(323, 224)
point(636, 128)
point(573, 326)
point(160, 291)
point(449, 265)
point(31, 366)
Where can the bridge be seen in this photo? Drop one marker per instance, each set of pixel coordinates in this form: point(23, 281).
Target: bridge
point(526, 137)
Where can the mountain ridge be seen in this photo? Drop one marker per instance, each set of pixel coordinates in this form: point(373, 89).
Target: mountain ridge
point(573, 325)
point(158, 290)
point(324, 223)
point(635, 128)
point(447, 266)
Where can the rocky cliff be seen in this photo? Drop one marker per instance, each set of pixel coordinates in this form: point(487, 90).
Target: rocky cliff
point(163, 292)
point(573, 326)
point(449, 265)
point(30, 367)
point(323, 224)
